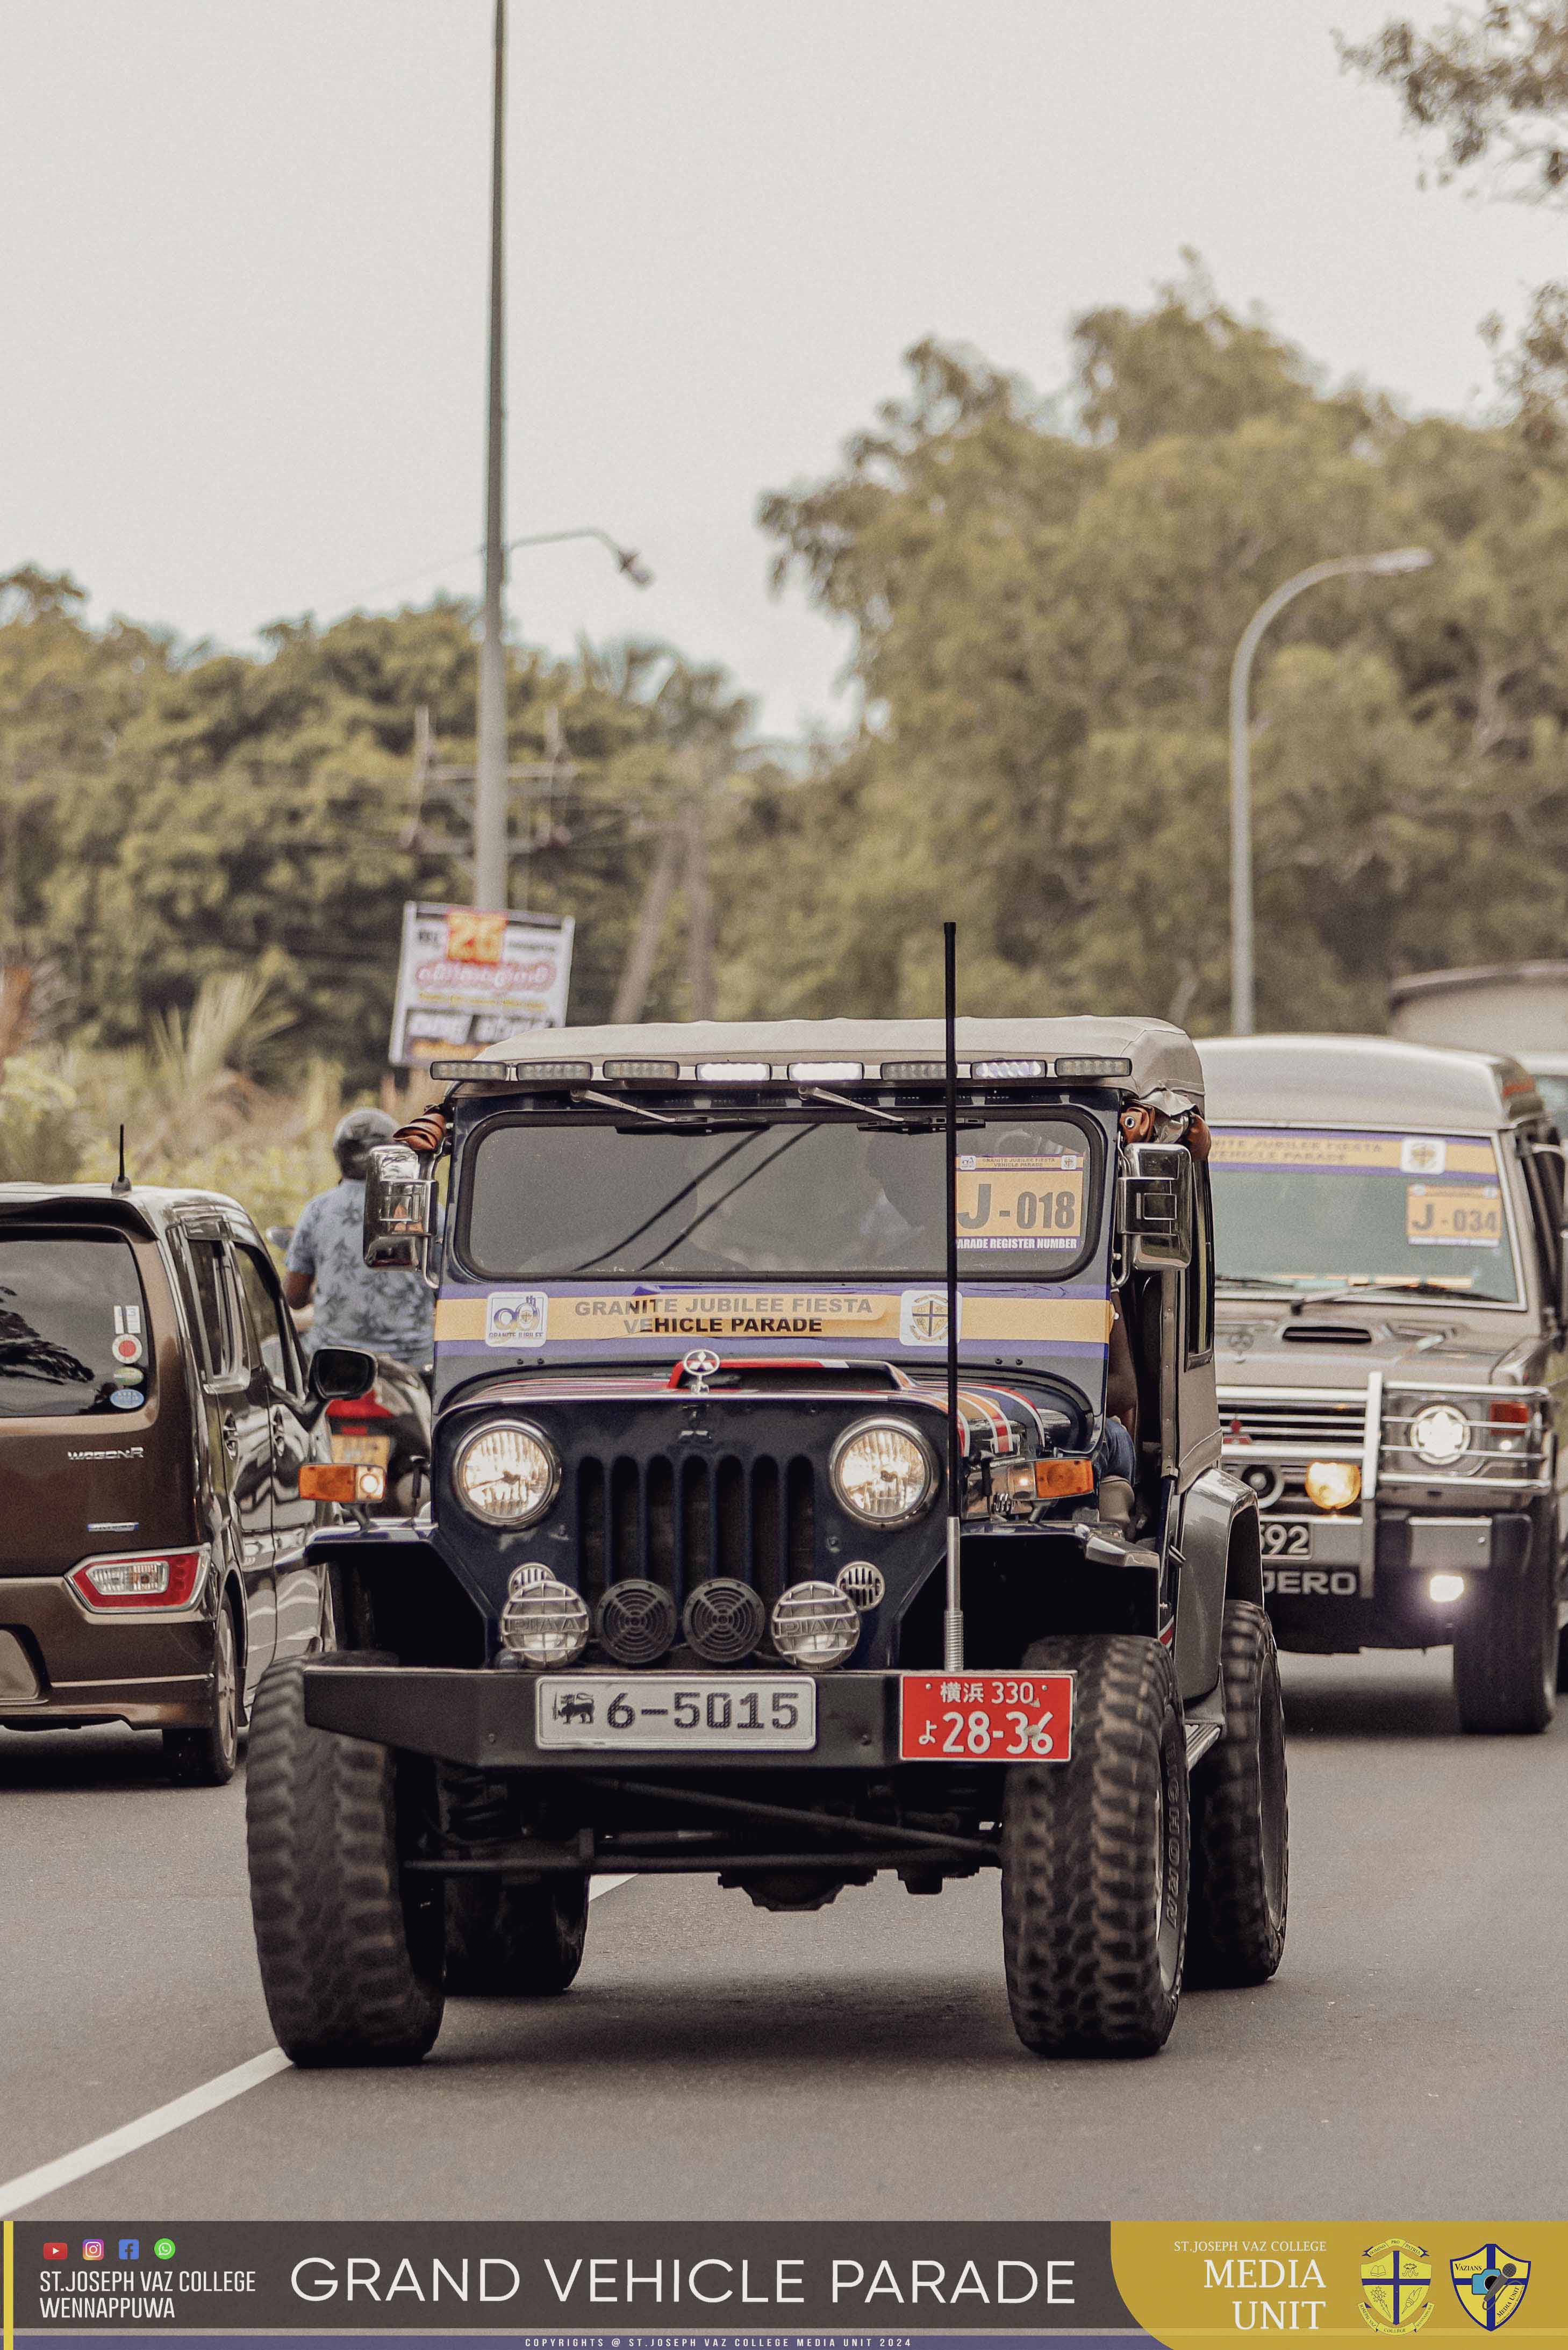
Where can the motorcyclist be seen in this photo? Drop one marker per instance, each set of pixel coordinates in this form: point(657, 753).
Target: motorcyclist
point(389, 1312)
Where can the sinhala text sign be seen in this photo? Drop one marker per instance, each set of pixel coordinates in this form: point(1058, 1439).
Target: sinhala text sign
point(467, 978)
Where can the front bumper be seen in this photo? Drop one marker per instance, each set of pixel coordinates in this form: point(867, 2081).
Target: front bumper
point(484, 1719)
point(60, 1668)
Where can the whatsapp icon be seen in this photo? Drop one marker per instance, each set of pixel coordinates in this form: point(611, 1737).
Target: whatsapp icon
point(164, 2249)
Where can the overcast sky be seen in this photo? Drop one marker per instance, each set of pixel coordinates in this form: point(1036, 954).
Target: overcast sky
point(243, 277)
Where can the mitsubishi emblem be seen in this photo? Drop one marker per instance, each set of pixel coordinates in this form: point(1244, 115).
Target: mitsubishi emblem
point(699, 1366)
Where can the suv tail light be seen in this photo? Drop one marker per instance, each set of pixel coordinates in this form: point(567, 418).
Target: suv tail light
point(143, 1578)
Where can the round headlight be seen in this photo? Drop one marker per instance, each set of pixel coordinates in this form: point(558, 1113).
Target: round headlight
point(508, 1473)
point(882, 1472)
point(1439, 1434)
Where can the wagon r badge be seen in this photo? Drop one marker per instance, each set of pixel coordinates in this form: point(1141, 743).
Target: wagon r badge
point(1490, 2284)
point(1395, 2286)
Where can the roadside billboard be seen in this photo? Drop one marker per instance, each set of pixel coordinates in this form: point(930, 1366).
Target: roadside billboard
point(465, 979)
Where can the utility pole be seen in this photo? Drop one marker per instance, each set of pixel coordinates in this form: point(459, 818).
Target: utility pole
point(489, 786)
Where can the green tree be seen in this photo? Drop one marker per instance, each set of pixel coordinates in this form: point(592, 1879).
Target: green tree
point(1046, 599)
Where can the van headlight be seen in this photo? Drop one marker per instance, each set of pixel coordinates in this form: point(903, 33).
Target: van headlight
point(508, 1473)
point(882, 1472)
point(1439, 1434)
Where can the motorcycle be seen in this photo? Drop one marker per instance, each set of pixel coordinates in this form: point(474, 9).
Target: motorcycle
point(388, 1428)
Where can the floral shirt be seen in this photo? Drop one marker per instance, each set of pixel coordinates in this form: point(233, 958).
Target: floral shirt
point(389, 1312)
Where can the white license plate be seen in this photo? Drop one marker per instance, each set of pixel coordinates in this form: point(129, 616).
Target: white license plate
point(675, 1714)
point(1287, 1538)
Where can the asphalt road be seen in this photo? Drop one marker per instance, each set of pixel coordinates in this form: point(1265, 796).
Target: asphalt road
point(716, 2062)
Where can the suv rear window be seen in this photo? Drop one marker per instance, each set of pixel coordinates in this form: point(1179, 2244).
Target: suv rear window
point(73, 1326)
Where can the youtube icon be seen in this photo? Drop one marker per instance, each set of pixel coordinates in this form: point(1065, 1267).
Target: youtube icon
point(56, 2252)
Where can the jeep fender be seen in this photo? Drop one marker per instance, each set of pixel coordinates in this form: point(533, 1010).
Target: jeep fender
point(1221, 1558)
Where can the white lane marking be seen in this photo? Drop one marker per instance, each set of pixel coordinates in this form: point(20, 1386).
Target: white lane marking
point(33, 2186)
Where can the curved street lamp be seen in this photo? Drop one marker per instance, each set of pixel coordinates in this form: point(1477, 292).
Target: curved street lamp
point(628, 560)
point(1393, 562)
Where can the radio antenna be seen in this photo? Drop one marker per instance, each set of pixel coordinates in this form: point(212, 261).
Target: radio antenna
point(952, 1621)
point(122, 1183)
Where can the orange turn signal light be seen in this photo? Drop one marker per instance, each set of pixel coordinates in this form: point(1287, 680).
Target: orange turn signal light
point(1055, 1478)
point(342, 1481)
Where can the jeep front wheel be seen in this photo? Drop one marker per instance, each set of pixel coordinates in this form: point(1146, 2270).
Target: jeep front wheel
point(1094, 1859)
point(1241, 1818)
point(350, 1945)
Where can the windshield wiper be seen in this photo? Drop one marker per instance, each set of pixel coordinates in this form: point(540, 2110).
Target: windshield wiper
point(872, 1119)
point(697, 1123)
point(1275, 1281)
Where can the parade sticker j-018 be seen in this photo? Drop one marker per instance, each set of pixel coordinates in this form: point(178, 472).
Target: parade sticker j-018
point(1490, 2284)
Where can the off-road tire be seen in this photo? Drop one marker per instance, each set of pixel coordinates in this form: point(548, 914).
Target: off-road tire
point(1241, 1816)
point(209, 1756)
point(504, 1941)
point(1505, 1652)
point(351, 1949)
point(1095, 1858)
point(515, 1941)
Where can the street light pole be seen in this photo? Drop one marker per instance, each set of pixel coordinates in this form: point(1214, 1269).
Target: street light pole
point(1393, 561)
point(490, 784)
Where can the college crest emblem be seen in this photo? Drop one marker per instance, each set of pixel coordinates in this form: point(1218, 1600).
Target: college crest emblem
point(1490, 2284)
point(1395, 2286)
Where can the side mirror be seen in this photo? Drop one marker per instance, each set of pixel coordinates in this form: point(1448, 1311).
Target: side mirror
point(1154, 1207)
point(342, 1374)
point(400, 1208)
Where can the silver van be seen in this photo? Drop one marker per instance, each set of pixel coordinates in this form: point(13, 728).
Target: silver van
point(1390, 1354)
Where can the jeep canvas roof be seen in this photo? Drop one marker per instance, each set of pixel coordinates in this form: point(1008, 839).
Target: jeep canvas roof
point(1160, 1058)
point(1362, 1081)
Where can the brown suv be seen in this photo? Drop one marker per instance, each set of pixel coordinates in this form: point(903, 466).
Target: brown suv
point(154, 1415)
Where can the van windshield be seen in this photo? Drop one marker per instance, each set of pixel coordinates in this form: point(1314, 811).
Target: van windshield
point(73, 1326)
point(802, 1196)
point(1348, 1211)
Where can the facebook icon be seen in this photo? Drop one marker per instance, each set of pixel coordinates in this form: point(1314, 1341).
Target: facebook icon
point(131, 2248)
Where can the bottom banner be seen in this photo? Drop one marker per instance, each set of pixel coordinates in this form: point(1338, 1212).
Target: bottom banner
point(781, 2285)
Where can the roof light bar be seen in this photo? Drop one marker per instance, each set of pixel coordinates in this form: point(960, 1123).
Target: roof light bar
point(451, 1073)
point(919, 1072)
point(1009, 1069)
point(734, 1073)
point(621, 1071)
point(825, 1073)
point(1094, 1064)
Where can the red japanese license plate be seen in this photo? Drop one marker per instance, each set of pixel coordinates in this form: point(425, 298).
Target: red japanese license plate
point(986, 1718)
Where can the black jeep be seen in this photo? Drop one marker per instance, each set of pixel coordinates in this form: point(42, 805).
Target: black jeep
point(684, 1595)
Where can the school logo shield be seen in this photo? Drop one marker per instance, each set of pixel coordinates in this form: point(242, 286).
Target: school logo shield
point(1395, 2286)
point(923, 1317)
point(1490, 2284)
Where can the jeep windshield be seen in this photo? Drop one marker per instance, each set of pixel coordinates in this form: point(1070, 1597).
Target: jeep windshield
point(73, 1326)
point(579, 1197)
point(1339, 1210)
